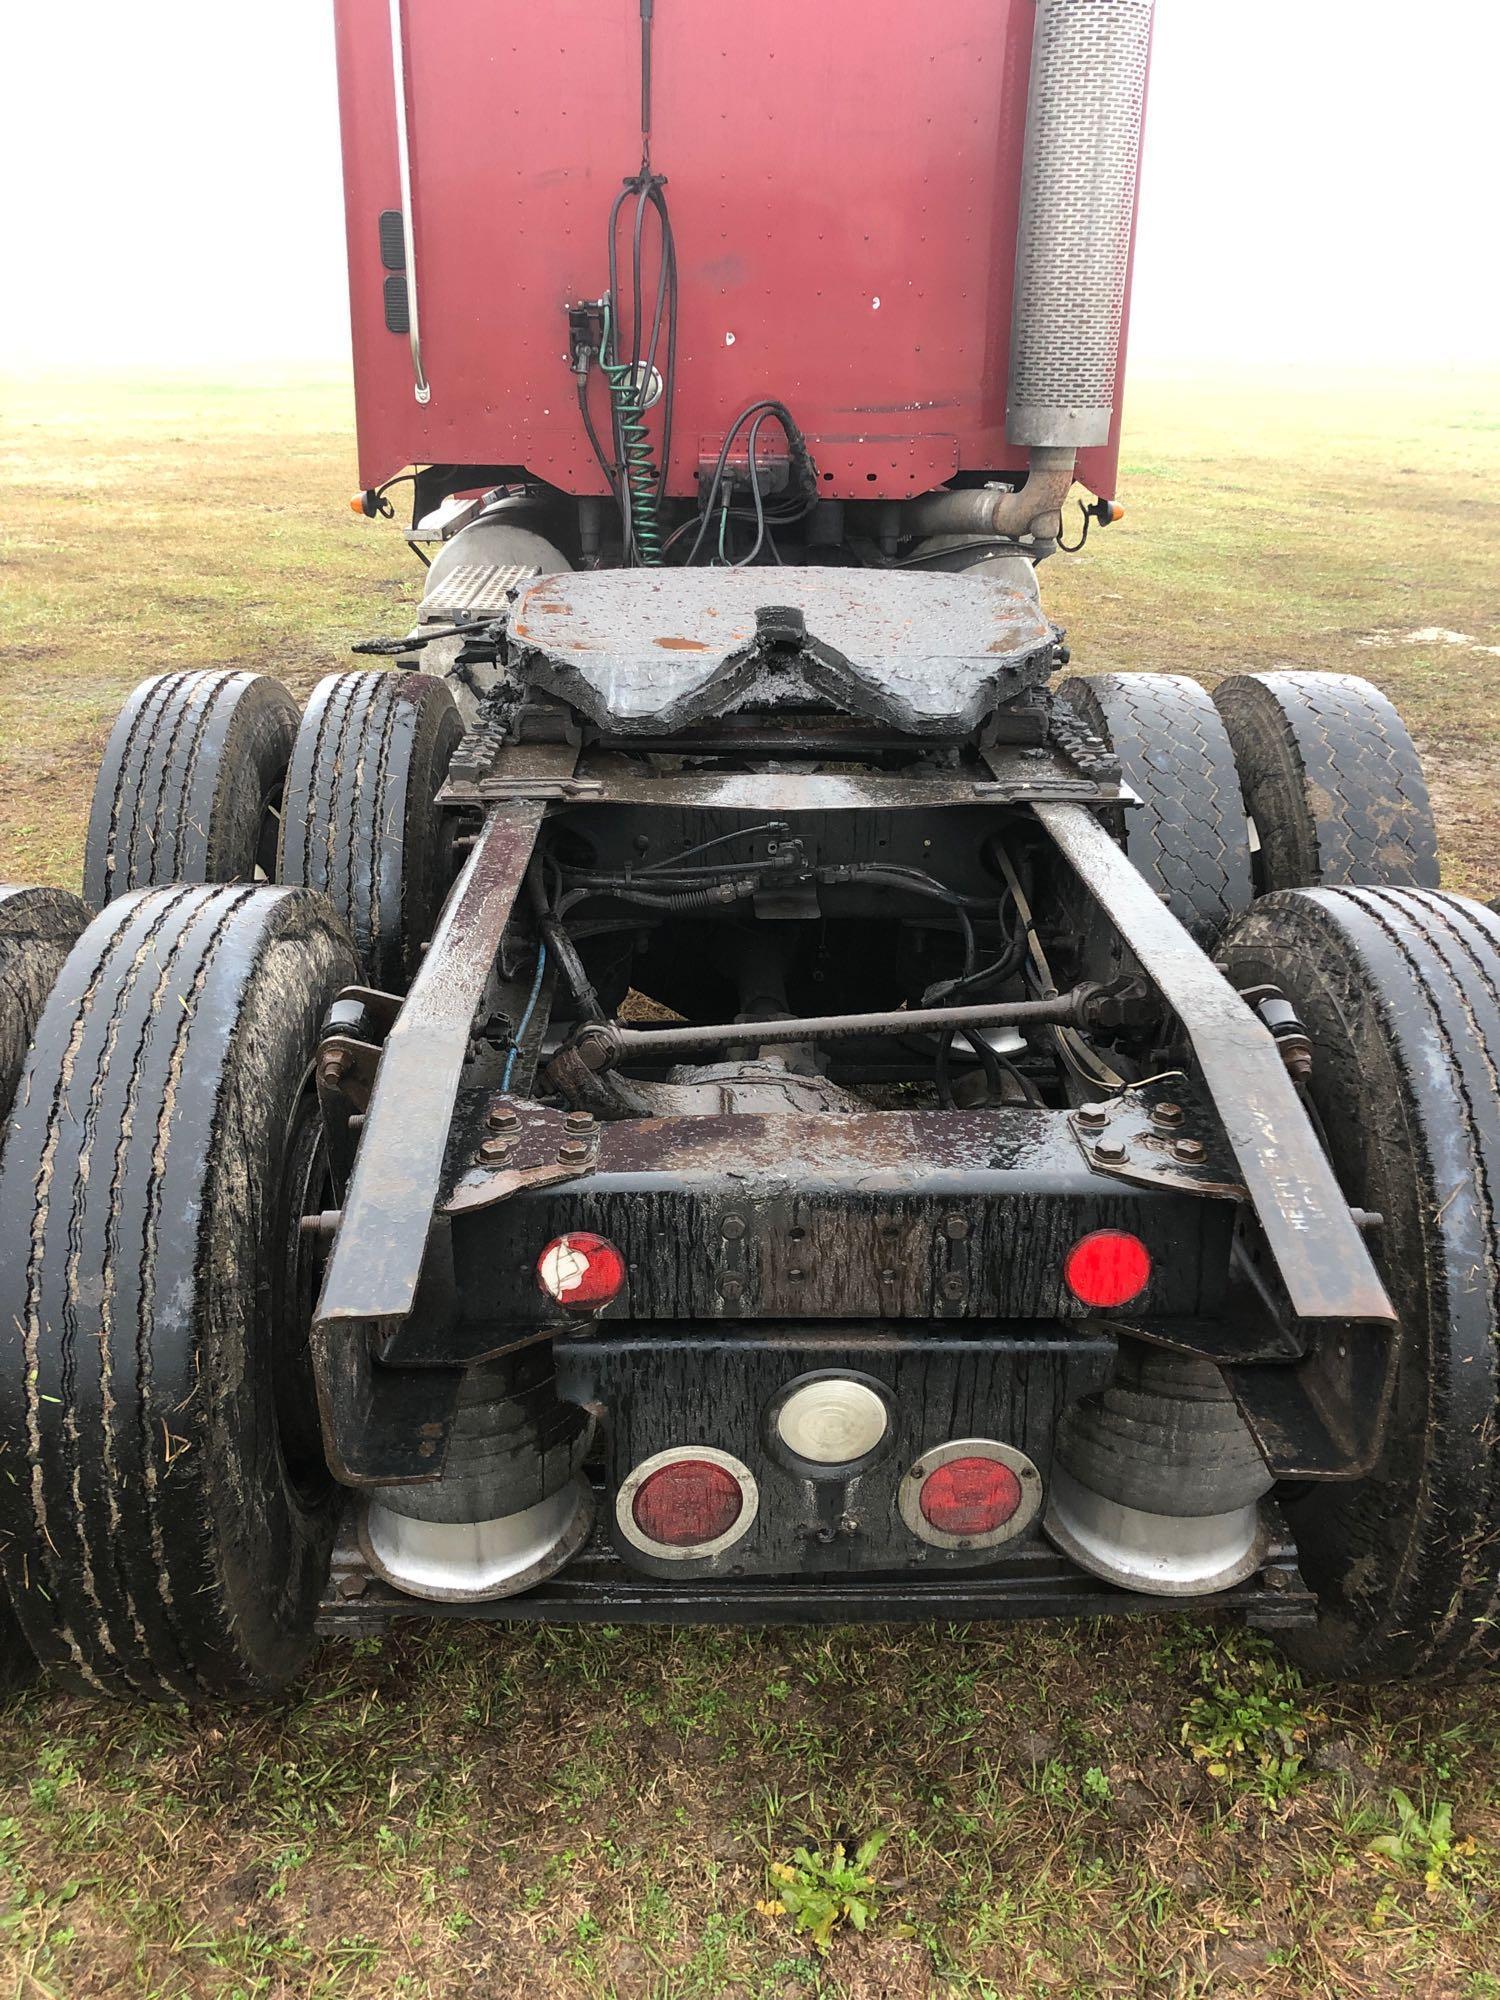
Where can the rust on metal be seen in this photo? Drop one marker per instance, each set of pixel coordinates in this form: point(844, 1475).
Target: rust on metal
point(377, 1260)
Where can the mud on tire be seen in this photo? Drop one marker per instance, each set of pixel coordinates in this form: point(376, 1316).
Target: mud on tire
point(1400, 993)
point(190, 786)
point(169, 1529)
point(1188, 836)
point(38, 928)
point(1332, 780)
point(360, 823)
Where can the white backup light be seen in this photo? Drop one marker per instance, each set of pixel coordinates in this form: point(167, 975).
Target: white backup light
point(832, 1421)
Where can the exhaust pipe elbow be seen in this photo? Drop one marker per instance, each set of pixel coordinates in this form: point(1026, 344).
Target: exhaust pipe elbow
point(1032, 509)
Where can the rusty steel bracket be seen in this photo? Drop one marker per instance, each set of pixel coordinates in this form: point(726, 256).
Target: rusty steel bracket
point(1160, 1134)
point(344, 1074)
point(524, 1145)
point(349, 1046)
point(1312, 1237)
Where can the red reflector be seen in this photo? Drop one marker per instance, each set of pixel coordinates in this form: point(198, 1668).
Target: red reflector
point(1108, 1267)
point(581, 1271)
point(970, 1496)
point(687, 1502)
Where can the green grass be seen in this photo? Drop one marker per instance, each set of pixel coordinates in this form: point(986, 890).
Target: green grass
point(1054, 1811)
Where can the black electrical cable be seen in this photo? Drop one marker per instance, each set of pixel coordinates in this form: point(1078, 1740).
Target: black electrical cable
point(719, 840)
point(988, 1059)
point(610, 472)
point(557, 941)
point(633, 371)
point(897, 871)
point(763, 534)
point(724, 871)
point(706, 499)
point(1072, 548)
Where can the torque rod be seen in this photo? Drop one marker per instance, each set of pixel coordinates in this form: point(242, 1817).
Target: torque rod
point(603, 1045)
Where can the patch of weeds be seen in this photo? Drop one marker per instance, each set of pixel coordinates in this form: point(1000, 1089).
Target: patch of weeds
point(1423, 1841)
point(56, 1772)
point(821, 1890)
point(1052, 1780)
point(1447, 1754)
point(1252, 1726)
point(1095, 1786)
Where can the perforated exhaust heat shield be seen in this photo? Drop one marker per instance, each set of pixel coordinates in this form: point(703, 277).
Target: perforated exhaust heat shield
point(1083, 142)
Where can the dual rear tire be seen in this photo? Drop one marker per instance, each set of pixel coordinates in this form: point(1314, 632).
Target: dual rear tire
point(166, 1523)
point(1278, 781)
point(166, 1514)
point(1288, 825)
point(1399, 992)
point(212, 778)
point(190, 786)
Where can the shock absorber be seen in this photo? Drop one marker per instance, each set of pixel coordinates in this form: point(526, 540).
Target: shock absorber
point(638, 473)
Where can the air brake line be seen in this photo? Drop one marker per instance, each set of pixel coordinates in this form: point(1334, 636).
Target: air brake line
point(639, 482)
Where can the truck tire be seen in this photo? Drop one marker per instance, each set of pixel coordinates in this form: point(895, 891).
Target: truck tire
point(360, 823)
point(190, 786)
point(38, 928)
point(1332, 781)
point(1188, 836)
point(1399, 990)
point(170, 1531)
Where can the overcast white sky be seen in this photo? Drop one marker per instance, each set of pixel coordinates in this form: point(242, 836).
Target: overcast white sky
point(1319, 182)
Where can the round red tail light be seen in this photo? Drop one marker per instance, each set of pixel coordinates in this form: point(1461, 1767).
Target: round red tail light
point(690, 1501)
point(969, 1496)
point(1108, 1267)
point(581, 1272)
point(971, 1493)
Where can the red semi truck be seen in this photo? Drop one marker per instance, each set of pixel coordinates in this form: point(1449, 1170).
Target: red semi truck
point(711, 1078)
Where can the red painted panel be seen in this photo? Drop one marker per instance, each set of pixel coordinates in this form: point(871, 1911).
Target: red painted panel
point(843, 177)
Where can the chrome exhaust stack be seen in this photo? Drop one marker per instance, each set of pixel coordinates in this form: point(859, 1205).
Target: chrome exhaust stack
point(1083, 148)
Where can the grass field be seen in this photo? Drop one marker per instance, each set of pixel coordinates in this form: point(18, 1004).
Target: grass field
point(1098, 1810)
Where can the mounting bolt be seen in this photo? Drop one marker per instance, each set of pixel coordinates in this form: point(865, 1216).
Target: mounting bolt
point(573, 1150)
point(955, 1228)
point(732, 1226)
point(730, 1287)
point(1093, 1114)
point(1190, 1150)
point(355, 1584)
point(333, 1066)
point(1110, 1152)
point(579, 1121)
point(503, 1119)
point(953, 1286)
point(492, 1151)
point(1166, 1113)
